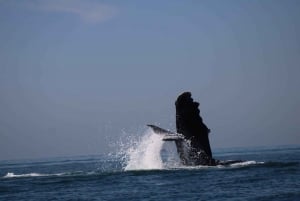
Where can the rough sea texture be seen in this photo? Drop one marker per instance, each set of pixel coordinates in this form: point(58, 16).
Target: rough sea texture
point(149, 170)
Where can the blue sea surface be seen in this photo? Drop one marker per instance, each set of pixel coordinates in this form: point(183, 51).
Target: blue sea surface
point(271, 173)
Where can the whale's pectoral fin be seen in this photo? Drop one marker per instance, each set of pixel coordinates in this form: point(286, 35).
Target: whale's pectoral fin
point(159, 130)
point(168, 135)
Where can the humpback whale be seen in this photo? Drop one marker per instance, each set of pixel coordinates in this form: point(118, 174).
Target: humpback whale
point(191, 136)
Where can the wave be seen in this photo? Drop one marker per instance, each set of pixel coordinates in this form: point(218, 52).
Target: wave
point(90, 173)
point(246, 163)
point(235, 166)
point(13, 175)
point(64, 174)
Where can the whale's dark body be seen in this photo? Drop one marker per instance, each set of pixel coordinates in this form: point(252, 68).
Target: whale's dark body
point(191, 139)
point(190, 124)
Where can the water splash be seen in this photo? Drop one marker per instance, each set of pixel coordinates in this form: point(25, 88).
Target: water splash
point(144, 154)
point(150, 152)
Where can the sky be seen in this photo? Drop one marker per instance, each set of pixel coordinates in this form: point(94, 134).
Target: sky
point(76, 76)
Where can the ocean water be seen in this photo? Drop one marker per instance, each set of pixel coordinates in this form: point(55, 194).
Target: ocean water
point(149, 169)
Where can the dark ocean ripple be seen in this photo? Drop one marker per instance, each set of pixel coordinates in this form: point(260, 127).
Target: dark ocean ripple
point(267, 174)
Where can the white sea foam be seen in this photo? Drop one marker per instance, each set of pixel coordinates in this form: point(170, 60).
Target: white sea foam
point(246, 163)
point(235, 165)
point(12, 175)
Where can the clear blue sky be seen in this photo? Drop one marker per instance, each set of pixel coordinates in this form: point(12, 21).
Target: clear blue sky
point(76, 74)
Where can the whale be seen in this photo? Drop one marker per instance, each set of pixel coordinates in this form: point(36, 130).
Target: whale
point(192, 134)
